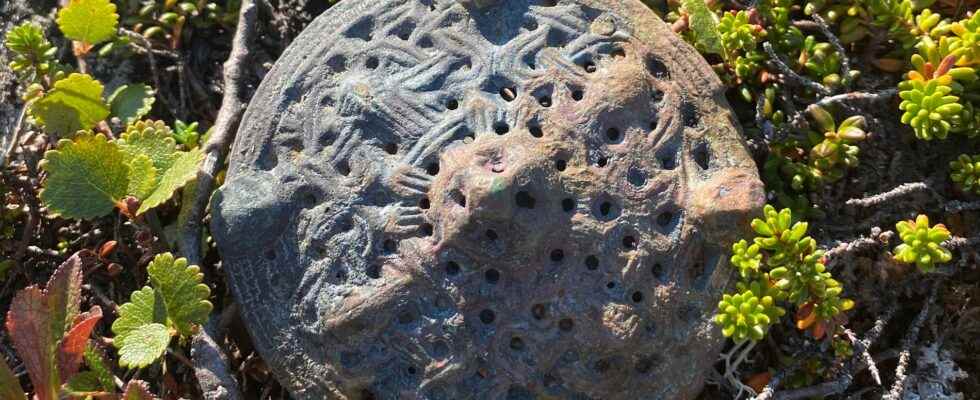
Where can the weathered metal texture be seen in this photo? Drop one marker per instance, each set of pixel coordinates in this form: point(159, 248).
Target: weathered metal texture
point(473, 199)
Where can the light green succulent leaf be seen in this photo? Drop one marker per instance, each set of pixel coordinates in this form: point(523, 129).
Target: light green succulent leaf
point(823, 118)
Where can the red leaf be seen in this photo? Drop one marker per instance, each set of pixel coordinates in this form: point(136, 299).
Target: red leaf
point(73, 345)
point(29, 323)
point(37, 322)
point(63, 295)
point(138, 390)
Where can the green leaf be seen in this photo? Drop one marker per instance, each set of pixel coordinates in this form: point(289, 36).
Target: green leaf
point(86, 177)
point(144, 345)
point(704, 23)
point(74, 104)
point(9, 384)
point(32, 54)
point(83, 384)
point(152, 138)
point(183, 170)
point(129, 103)
point(145, 307)
point(5, 266)
point(142, 176)
point(89, 21)
point(182, 291)
point(96, 362)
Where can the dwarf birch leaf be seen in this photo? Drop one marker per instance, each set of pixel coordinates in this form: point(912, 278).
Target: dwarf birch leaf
point(183, 293)
point(74, 104)
point(145, 307)
point(129, 103)
point(704, 23)
point(86, 177)
point(152, 138)
point(183, 170)
point(142, 176)
point(144, 345)
point(89, 21)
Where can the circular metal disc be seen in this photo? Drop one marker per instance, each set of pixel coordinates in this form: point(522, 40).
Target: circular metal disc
point(485, 199)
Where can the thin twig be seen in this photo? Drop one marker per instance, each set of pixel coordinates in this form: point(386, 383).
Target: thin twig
point(959, 206)
point(907, 342)
point(210, 363)
point(792, 75)
point(868, 360)
point(843, 99)
point(153, 65)
point(225, 126)
point(883, 95)
point(14, 138)
point(961, 242)
point(899, 191)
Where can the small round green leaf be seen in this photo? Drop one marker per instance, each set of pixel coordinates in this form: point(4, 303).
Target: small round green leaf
point(129, 103)
point(144, 346)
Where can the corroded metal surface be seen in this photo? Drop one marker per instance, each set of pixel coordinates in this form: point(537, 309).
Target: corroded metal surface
point(485, 199)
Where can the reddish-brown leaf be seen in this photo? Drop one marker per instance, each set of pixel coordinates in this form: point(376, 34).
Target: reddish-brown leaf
point(759, 381)
point(73, 345)
point(138, 390)
point(29, 325)
point(37, 322)
point(63, 295)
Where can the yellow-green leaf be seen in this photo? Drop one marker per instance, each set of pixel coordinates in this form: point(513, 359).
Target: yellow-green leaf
point(142, 176)
point(144, 345)
point(88, 21)
point(153, 139)
point(74, 104)
point(183, 293)
point(183, 170)
point(85, 177)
